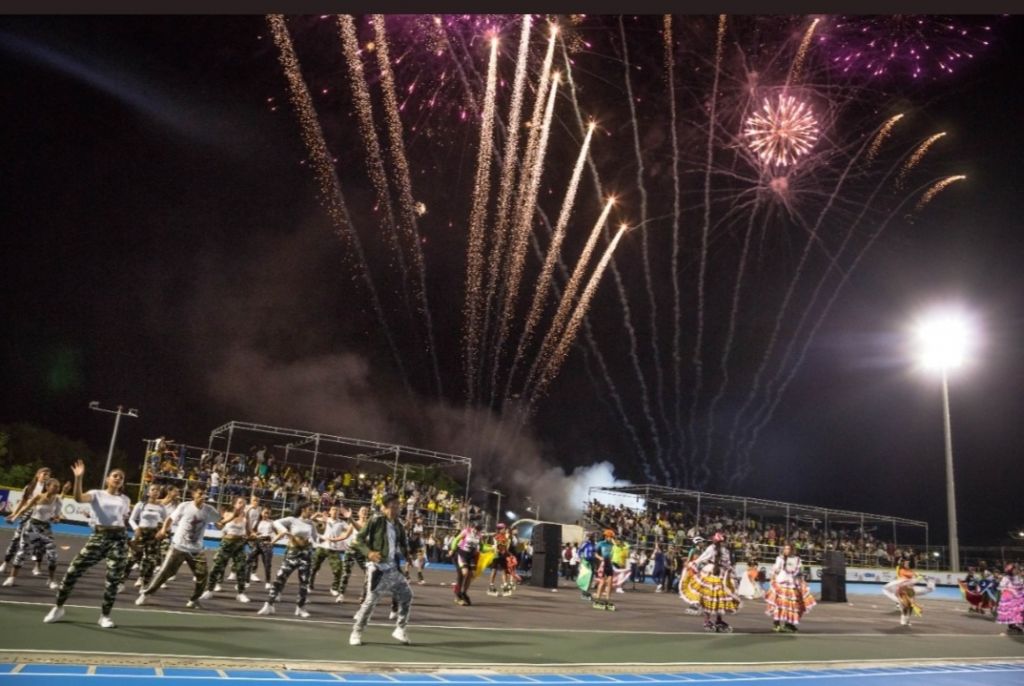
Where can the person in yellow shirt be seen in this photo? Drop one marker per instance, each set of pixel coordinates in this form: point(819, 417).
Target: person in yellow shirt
point(620, 563)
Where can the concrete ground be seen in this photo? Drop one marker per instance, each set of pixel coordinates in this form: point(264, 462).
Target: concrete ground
point(535, 629)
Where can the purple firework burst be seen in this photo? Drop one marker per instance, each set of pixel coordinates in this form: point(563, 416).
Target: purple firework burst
point(915, 45)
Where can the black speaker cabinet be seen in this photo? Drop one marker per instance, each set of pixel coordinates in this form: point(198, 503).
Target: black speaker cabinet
point(833, 587)
point(835, 562)
point(544, 573)
point(547, 538)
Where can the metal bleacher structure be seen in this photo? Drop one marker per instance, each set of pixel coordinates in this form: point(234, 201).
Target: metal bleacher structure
point(787, 516)
point(313, 453)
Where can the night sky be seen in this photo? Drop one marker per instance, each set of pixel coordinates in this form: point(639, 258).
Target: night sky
point(164, 249)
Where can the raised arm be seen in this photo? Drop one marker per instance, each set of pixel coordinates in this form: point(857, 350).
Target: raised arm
point(78, 469)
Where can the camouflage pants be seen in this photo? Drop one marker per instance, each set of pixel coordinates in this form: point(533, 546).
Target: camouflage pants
point(231, 550)
point(262, 549)
point(351, 557)
point(379, 583)
point(294, 559)
point(195, 561)
point(37, 535)
point(111, 546)
point(334, 557)
point(146, 553)
point(15, 544)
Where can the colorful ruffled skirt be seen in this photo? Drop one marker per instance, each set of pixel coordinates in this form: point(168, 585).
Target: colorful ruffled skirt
point(787, 604)
point(713, 594)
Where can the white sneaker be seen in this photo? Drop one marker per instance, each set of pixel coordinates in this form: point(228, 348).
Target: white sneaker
point(54, 615)
point(254, 577)
point(141, 600)
point(301, 612)
point(3, 567)
point(206, 595)
point(232, 577)
point(194, 605)
point(399, 635)
point(106, 622)
point(267, 609)
point(217, 588)
point(619, 590)
point(356, 639)
point(268, 585)
point(243, 598)
point(54, 585)
point(9, 581)
point(36, 571)
point(422, 581)
point(334, 593)
point(138, 583)
point(172, 578)
point(340, 598)
point(904, 621)
point(392, 615)
point(658, 589)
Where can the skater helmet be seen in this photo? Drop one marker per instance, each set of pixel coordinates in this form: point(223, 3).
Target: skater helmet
point(718, 537)
point(609, 533)
point(501, 525)
point(697, 540)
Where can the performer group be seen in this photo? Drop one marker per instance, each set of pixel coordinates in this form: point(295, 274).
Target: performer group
point(168, 532)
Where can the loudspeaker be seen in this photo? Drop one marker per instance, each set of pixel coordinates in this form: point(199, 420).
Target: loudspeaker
point(544, 572)
point(833, 587)
point(547, 538)
point(834, 562)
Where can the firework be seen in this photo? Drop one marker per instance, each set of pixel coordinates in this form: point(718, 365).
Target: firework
point(569, 295)
point(327, 177)
point(937, 188)
point(782, 131)
point(919, 46)
point(572, 328)
point(883, 133)
point(547, 270)
point(403, 182)
point(916, 158)
point(481, 193)
point(801, 53)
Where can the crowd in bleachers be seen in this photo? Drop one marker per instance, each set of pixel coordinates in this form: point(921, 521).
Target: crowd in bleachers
point(752, 539)
point(279, 484)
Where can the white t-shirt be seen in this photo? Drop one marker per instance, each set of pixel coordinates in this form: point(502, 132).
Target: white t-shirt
point(236, 527)
point(333, 529)
point(265, 529)
point(47, 512)
point(301, 531)
point(214, 479)
point(109, 510)
point(148, 515)
point(192, 522)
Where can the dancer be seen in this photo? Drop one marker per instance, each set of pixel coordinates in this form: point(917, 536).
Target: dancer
point(253, 516)
point(37, 532)
point(353, 557)
point(146, 519)
point(588, 565)
point(381, 542)
point(263, 546)
point(33, 488)
point(109, 541)
point(500, 562)
point(417, 549)
point(901, 590)
point(711, 586)
point(1011, 600)
point(975, 593)
point(170, 503)
point(788, 598)
point(332, 546)
point(605, 572)
point(466, 547)
point(749, 587)
point(232, 549)
point(190, 520)
point(302, 536)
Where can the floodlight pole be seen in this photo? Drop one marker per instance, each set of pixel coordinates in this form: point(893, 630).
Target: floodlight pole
point(954, 543)
point(113, 437)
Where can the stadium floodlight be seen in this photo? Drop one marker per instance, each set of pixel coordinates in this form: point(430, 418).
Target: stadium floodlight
point(946, 339)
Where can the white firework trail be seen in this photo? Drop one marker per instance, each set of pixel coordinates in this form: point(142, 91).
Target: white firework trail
point(883, 134)
point(801, 54)
point(917, 157)
point(572, 327)
point(477, 216)
point(527, 204)
point(403, 182)
point(326, 175)
point(374, 159)
point(556, 329)
point(937, 188)
point(698, 361)
point(508, 176)
point(644, 242)
point(552, 256)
